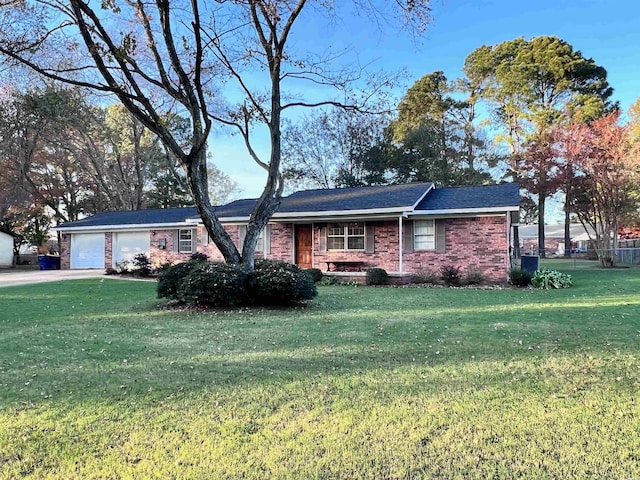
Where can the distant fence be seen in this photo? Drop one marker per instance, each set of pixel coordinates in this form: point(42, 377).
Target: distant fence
point(628, 256)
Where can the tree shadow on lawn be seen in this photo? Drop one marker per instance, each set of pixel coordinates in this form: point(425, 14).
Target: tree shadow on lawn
point(427, 351)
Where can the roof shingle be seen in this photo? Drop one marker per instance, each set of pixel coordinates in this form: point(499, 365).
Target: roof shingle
point(485, 196)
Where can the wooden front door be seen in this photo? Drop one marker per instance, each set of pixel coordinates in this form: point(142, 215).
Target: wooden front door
point(304, 245)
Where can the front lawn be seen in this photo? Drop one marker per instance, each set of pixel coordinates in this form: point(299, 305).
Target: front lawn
point(95, 382)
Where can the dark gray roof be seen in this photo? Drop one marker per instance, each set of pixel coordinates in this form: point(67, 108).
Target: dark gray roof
point(398, 197)
point(336, 200)
point(355, 198)
point(486, 196)
point(134, 217)
point(237, 208)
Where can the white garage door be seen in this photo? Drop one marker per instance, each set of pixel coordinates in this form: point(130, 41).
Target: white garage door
point(128, 245)
point(87, 250)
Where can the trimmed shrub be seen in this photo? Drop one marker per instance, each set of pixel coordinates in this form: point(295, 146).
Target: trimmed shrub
point(451, 276)
point(281, 283)
point(142, 265)
point(226, 285)
point(215, 284)
point(377, 276)
point(172, 276)
point(199, 257)
point(474, 277)
point(315, 274)
point(519, 277)
point(546, 279)
point(326, 281)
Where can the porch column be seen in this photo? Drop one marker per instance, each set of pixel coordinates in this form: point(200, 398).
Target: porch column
point(400, 243)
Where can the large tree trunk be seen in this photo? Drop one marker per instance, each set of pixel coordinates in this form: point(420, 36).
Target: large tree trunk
point(197, 180)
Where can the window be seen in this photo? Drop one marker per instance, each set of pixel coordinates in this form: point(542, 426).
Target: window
point(185, 241)
point(424, 235)
point(345, 236)
point(260, 243)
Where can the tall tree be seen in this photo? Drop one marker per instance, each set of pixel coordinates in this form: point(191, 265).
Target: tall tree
point(539, 172)
point(436, 135)
point(324, 149)
point(161, 56)
point(533, 86)
point(607, 163)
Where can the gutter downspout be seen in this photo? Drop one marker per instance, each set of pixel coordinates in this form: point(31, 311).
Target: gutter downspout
point(401, 240)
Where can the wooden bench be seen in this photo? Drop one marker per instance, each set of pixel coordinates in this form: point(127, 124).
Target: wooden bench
point(344, 266)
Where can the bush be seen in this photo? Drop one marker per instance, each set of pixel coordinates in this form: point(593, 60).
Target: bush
point(315, 274)
point(326, 281)
point(123, 266)
point(215, 284)
point(199, 257)
point(172, 276)
point(377, 276)
point(142, 265)
point(226, 285)
point(281, 283)
point(547, 279)
point(474, 277)
point(427, 276)
point(519, 277)
point(451, 276)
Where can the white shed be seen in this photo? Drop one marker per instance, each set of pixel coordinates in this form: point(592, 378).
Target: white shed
point(6, 247)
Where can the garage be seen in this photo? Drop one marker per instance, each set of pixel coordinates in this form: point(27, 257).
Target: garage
point(87, 250)
point(127, 245)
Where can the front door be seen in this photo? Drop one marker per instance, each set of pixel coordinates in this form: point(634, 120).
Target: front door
point(304, 245)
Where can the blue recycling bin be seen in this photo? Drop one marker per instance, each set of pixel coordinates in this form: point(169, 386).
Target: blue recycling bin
point(49, 262)
point(530, 263)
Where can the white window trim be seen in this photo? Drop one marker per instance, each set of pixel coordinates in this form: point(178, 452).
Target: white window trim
point(260, 241)
point(345, 236)
point(416, 236)
point(180, 240)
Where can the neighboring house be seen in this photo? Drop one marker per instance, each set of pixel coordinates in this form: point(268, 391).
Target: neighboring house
point(553, 238)
point(401, 228)
point(6, 247)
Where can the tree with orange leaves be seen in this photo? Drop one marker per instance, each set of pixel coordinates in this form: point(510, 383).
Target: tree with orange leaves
point(607, 165)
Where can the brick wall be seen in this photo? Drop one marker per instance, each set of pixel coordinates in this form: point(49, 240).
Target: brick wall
point(282, 242)
point(108, 249)
point(385, 250)
point(478, 243)
point(65, 251)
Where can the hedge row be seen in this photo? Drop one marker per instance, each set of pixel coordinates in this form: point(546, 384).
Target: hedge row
point(213, 284)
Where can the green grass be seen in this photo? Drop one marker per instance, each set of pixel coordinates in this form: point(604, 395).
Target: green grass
point(95, 382)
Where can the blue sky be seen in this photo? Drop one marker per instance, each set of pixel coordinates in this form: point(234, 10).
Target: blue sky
point(607, 31)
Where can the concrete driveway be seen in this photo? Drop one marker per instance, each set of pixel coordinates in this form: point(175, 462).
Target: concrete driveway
point(10, 277)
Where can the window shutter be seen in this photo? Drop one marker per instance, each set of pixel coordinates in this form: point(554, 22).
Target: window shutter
point(176, 240)
point(322, 247)
point(242, 232)
point(369, 238)
point(205, 236)
point(440, 237)
point(267, 240)
point(407, 236)
point(194, 241)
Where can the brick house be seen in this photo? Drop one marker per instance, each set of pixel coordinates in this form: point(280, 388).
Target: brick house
point(404, 229)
